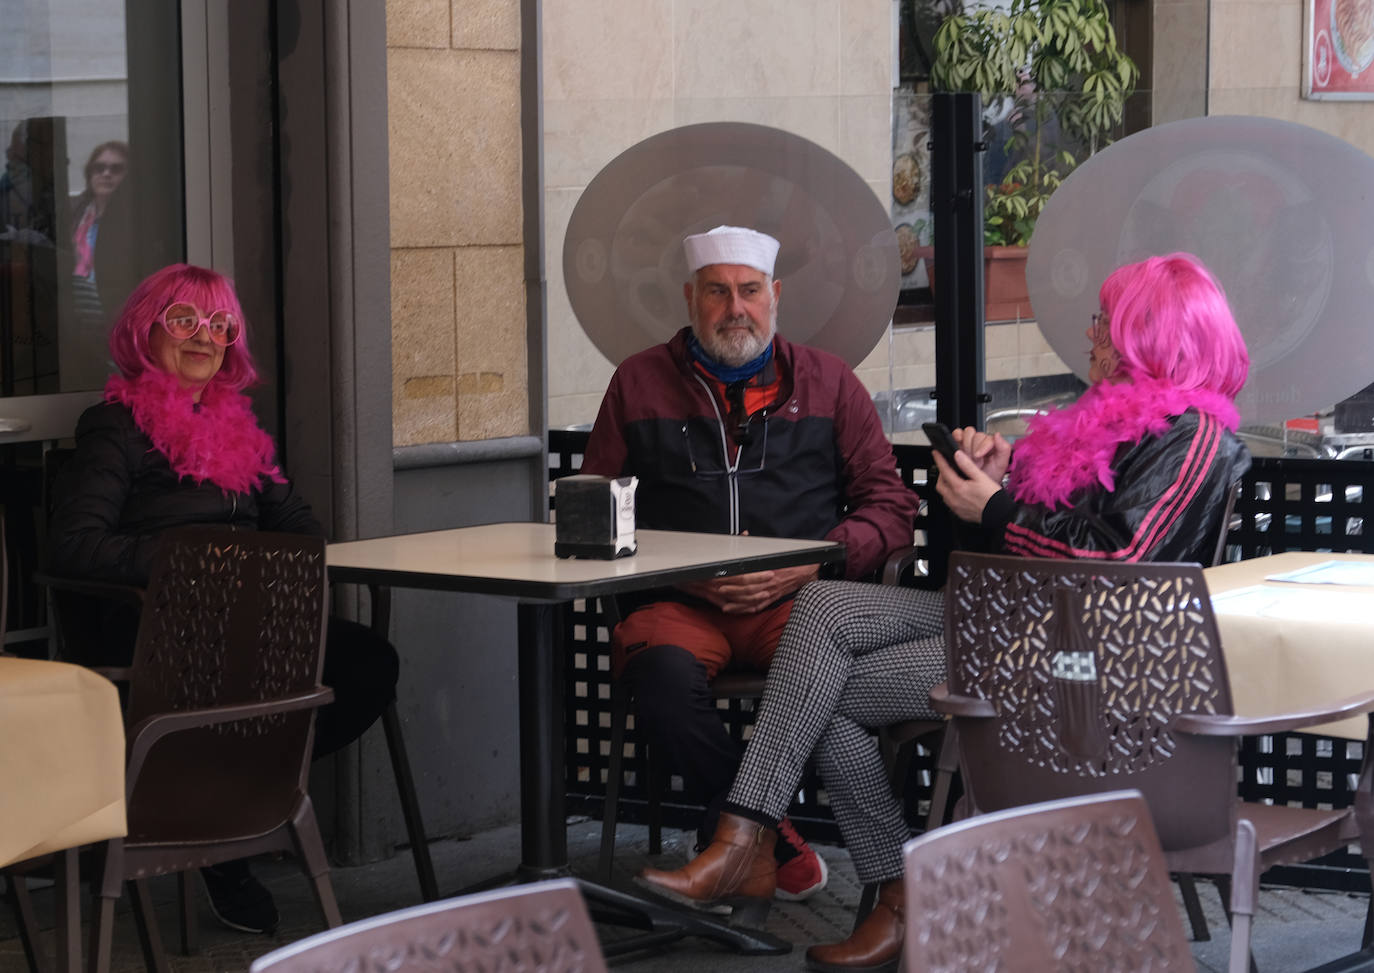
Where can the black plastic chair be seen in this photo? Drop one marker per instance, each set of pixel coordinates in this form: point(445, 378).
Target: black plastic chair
point(16, 888)
point(920, 565)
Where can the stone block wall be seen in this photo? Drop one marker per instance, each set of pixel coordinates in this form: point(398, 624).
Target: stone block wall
point(457, 288)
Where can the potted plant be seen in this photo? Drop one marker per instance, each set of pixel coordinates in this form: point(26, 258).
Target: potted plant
point(1054, 86)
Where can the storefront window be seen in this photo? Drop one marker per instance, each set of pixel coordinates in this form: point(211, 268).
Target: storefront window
point(91, 201)
point(90, 197)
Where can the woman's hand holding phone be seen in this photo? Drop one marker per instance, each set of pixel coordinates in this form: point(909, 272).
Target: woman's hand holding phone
point(943, 442)
point(990, 451)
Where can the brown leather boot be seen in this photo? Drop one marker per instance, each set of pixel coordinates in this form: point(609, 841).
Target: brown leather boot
point(737, 869)
point(876, 946)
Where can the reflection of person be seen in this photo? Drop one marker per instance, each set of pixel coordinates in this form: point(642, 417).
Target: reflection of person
point(176, 442)
point(82, 367)
point(732, 429)
point(1137, 469)
point(104, 172)
point(29, 275)
point(27, 207)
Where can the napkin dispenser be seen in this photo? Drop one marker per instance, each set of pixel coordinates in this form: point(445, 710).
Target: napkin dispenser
point(594, 516)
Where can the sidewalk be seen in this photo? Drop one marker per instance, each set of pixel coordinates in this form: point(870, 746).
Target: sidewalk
point(1295, 930)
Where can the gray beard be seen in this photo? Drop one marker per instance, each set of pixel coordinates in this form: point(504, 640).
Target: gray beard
point(734, 350)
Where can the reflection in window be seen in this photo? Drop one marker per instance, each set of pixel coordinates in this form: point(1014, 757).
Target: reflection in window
point(79, 221)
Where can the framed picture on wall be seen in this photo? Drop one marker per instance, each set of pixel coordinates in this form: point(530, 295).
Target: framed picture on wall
point(1338, 50)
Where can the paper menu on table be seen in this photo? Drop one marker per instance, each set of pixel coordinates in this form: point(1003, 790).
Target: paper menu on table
point(1268, 601)
point(1330, 572)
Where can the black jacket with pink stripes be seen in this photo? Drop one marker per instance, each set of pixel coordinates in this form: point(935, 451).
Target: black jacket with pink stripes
point(1170, 495)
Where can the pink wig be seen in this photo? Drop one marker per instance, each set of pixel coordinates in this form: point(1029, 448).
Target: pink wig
point(204, 288)
point(1169, 320)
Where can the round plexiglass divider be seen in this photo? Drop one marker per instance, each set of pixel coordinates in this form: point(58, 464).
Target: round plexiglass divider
point(1271, 207)
point(623, 260)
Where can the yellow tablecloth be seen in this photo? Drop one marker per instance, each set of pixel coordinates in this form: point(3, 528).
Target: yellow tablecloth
point(1289, 657)
point(61, 758)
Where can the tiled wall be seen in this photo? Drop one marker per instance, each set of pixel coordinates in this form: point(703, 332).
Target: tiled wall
point(1256, 69)
point(905, 357)
point(618, 71)
point(1180, 60)
point(457, 288)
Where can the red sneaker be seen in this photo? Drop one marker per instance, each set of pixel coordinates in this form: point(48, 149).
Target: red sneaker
point(803, 875)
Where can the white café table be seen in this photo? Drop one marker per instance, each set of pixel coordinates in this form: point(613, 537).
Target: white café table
point(1313, 644)
point(516, 560)
point(61, 775)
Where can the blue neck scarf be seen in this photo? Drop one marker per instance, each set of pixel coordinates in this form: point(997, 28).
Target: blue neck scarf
point(727, 373)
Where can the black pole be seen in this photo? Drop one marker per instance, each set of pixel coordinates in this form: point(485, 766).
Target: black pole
point(956, 199)
point(543, 829)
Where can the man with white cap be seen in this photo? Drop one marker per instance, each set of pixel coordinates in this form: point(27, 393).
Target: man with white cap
point(732, 429)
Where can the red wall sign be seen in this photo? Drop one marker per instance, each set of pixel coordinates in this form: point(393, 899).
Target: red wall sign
point(1338, 54)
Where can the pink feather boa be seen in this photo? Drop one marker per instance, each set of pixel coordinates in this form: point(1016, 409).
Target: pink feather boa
point(1072, 448)
point(218, 440)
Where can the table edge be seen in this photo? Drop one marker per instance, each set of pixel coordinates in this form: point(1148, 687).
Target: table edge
point(535, 590)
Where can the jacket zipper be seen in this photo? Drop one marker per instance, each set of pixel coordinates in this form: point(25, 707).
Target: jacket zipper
point(730, 466)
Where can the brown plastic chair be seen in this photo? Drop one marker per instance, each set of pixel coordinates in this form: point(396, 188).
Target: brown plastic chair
point(1076, 677)
point(222, 697)
point(543, 926)
point(82, 609)
point(1074, 884)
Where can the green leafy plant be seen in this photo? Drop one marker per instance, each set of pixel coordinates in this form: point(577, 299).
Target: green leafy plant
point(1054, 69)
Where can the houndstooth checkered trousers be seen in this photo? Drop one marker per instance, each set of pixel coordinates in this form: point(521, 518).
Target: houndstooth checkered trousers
point(853, 658)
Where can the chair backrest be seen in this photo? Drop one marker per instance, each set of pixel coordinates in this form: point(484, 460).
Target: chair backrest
point(543, 926)
point(1224, 527)
point(230, 617)
point(1086, 664)
point(1077, 884)
point(933, 525)
point(88, 629)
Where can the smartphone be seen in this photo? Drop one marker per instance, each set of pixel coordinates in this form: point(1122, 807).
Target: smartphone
point(943, 441)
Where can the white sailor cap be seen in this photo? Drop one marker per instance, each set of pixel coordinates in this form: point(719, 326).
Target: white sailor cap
point(731, 245)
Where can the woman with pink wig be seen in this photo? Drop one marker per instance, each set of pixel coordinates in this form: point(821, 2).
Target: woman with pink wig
point(175, 442)
point(1137, 469)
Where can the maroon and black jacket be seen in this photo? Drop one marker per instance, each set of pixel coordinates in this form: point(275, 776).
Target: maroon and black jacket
point(814, 463)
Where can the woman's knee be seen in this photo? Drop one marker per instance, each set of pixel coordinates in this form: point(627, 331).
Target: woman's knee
point(357, 657)
point(821, 605)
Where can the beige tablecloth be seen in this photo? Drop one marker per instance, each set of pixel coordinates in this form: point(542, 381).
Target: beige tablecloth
point(61, 758)
point(1284, 659)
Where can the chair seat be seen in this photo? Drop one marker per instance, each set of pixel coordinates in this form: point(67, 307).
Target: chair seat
point(731, 683)
point(908, 730)
point(1294, 834)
